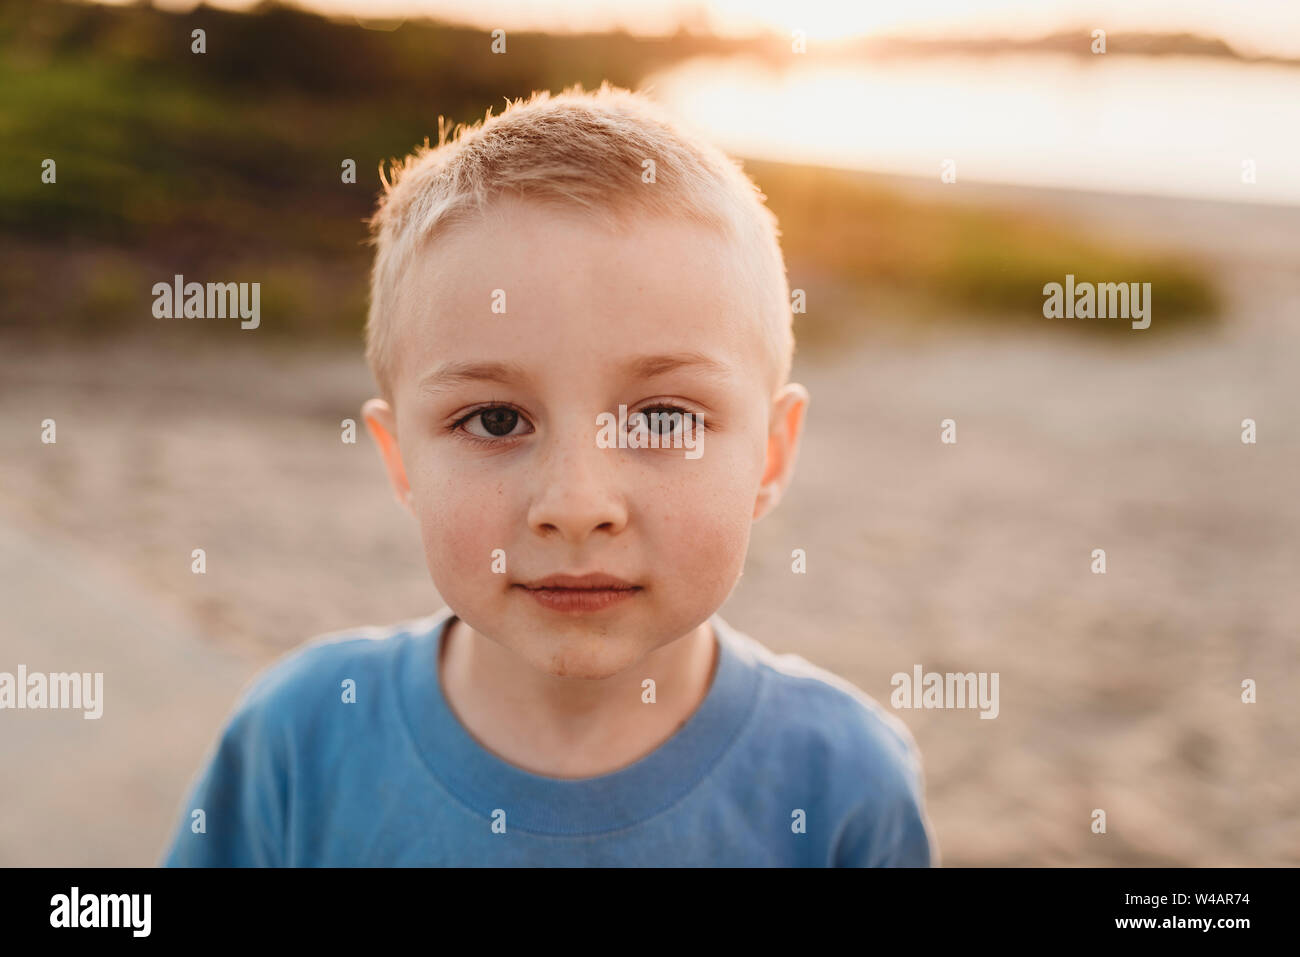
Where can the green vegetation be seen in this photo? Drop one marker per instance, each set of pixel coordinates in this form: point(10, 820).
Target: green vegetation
point(226, 166)
point(872, 253)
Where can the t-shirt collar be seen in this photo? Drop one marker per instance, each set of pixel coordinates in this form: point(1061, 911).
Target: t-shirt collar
point(484, 782)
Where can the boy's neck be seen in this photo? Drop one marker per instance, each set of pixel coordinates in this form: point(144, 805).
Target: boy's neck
point(570, 727)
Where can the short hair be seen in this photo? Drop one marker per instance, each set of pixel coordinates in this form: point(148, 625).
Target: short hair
point(585, 150)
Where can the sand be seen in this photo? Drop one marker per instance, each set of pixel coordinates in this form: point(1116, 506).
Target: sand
point(1119, 692)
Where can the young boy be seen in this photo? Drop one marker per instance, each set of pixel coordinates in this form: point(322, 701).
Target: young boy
point(581, 330)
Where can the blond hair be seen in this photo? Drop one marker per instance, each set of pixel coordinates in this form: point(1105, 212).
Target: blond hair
point(584, 150)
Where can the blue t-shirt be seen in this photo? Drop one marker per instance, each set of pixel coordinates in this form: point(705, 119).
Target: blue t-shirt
point(782, 764)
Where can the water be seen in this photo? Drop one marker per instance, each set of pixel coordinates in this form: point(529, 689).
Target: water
point(1176, 126)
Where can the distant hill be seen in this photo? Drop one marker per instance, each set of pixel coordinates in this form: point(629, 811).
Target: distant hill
point(1073, 42)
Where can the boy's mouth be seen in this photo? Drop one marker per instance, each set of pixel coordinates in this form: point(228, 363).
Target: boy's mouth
point(580, 593)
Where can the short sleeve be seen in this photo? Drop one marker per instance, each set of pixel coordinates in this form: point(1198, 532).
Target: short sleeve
point(890, 827)
point(234, 814)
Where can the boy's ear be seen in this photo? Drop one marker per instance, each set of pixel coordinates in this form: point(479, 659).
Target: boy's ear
point(382, 423)
point(788, 408)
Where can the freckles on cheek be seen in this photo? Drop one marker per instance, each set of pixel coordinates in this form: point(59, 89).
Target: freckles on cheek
point(453, 524)
point(465, 519)
point(439, 501)
point(710, 524)
point(709, 550)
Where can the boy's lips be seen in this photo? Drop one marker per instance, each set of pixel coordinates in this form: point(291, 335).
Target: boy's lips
point(594, 581)
point(580, 593)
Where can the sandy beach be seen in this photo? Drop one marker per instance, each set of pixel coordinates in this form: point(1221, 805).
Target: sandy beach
point(1119, 691)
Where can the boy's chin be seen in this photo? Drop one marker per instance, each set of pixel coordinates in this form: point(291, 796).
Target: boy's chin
point(591, 657)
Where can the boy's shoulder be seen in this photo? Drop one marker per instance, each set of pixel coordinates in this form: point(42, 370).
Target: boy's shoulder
point(835, 741)
point(319, 668)
point(813, 710)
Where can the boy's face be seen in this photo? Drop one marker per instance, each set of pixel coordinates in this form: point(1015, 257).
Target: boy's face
point(528, 486)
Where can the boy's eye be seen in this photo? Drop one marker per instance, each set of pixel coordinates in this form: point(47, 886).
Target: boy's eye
point(663, 420)
point(498, 421)
point(503, 421)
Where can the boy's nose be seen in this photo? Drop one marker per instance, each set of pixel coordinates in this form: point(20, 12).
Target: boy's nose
point(576, 491)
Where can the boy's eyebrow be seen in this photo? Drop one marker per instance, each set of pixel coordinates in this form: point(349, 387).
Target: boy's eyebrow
point(646, 367)
point(450, 374)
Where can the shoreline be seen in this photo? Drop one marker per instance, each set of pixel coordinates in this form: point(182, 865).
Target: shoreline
point(1228, 231)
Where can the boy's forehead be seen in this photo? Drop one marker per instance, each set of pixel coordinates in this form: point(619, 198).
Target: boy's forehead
point(541, 252)
point(532, 289)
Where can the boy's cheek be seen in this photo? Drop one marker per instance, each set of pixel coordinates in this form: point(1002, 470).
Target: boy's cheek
point(458, 532)
point(702, 510)
point(463, 528)
point(706, 541)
